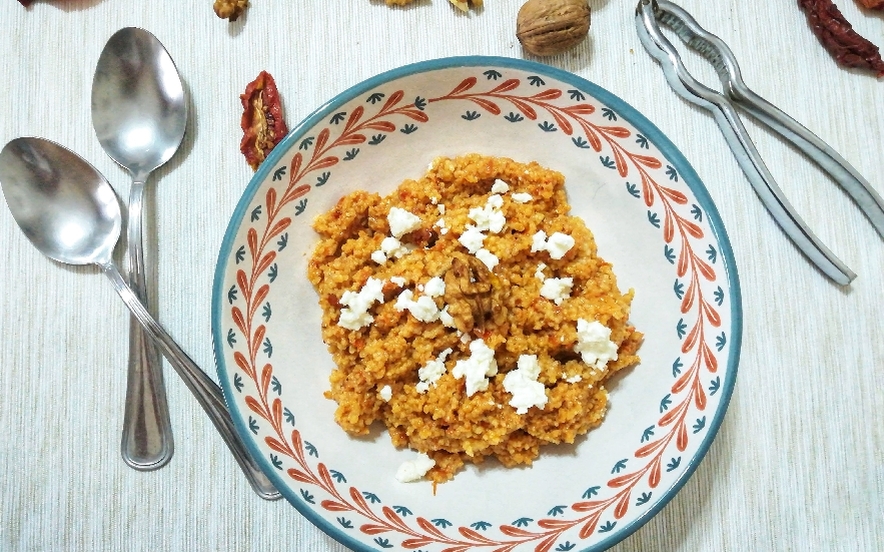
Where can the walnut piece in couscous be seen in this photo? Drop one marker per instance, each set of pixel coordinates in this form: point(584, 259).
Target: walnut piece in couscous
point(470, 313)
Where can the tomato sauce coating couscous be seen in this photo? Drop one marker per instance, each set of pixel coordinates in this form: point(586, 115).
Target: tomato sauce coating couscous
point(457, 311)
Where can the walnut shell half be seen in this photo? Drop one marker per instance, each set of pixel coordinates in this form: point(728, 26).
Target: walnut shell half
point(548, 27)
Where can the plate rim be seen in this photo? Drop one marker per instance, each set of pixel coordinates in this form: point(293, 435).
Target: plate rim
point(633, 116)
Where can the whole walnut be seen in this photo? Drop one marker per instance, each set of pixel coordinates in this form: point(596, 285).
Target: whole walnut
point(548, 27)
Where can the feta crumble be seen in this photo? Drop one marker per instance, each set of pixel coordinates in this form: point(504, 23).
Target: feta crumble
point(354, 315)
point(472, 239)
point(522, 384)
point(402, 222)
point(557, 245)
point(414, 470)
point(488, 258)
point(594, 344)
point(521, 197)
point(390, 248)
point(435, 287)
point(500, 187)
point(446, 318)
point(386, 393)
point(557, 289)
point(538, 242)
point(477, 368)
point(430, 372)
point(423, 308)
point(489, 218)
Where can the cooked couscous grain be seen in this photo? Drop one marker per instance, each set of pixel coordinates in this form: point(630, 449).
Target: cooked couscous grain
point(433, 294)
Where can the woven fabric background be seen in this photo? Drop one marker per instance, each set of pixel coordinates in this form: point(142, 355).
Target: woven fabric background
point(799, 460)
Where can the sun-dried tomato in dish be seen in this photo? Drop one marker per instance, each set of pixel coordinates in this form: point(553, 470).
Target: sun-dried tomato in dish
point(262, 122)
point(836, 34)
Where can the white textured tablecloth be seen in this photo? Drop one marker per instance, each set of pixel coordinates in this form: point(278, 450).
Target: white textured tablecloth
point(798, 463)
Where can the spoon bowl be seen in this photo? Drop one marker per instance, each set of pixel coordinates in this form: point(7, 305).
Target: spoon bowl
point(70, 213)
point(139, 110)
point(61, 202)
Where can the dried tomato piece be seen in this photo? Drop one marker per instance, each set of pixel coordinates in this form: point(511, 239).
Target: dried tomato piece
point(836, 34)
point(262, 122)
point(230, 9)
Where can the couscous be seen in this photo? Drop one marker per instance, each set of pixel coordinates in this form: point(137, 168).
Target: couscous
point(469, 312)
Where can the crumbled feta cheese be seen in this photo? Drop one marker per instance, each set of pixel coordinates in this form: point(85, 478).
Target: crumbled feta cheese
point(390, 248)
point(472, 238)
point(521, 197)
point(434, 200)
point(557, 289)
point(594, 344)
point(440, 224)
point(441, 208)
point(539, 272)
point(424, 308)
point(402, 222)
point(557, 245)
point(414, 470)
point(430, 372)
point(489, 218)
point(355, 314)
point(576, 378)
point(435, 287)
point(538, 242)
point(477, 368)
point(399, 281)
point(488, 258)
point(446, 318)
point(500, 187)
point(522, 384)
point(386, 393)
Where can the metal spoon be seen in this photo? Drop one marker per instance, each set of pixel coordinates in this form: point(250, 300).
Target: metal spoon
point(139, 114)
point(71, 214)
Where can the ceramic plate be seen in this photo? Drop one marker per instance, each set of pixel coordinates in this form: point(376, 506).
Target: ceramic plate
point(652, 218)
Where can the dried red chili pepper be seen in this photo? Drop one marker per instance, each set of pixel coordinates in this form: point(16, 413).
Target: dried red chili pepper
point(872, 4)
point(836, 34)
point(262, 122)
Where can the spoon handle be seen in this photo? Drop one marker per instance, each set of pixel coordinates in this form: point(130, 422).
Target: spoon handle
point(147, 442)
point(206, 391)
